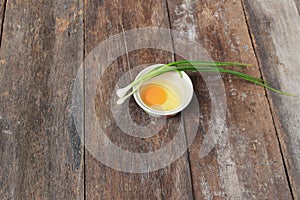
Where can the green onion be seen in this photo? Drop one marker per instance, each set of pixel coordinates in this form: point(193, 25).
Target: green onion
point(192, 66)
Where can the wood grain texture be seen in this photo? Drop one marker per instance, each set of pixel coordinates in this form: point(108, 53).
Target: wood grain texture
point(43, 46)
point(246, 163)
point(40, 151)
point(275, 27)
point(103, 20)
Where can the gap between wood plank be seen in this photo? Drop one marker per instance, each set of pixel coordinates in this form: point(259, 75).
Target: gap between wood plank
point(170, 26)
point(2, 22)
point(83, 86)
point(186, 141)
point(268, 100)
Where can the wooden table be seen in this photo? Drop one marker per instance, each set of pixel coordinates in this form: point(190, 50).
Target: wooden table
point(44, 43)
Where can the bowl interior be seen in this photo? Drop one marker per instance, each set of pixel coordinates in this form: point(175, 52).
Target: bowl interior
point(181, 86)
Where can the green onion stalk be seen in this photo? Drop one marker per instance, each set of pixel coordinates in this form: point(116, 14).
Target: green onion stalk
point(192, 66)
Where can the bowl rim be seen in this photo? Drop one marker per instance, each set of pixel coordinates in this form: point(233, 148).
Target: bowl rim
point(154, 112)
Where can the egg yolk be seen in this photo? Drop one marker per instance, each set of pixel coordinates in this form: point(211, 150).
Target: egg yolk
point(154, 95)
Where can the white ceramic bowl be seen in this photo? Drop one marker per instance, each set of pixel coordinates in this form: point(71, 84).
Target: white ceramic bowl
point(183, 89)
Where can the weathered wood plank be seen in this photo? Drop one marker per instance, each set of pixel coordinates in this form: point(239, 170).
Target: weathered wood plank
point(246, 162)
point(275, 26)
point(103, 20)
point(41, 153)
point(2, 5)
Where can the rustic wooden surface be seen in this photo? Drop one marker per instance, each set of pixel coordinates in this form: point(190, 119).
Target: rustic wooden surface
point(41, 153)
point(246, 163)
point(110, 18)
point(42, 47)
point(275, 27)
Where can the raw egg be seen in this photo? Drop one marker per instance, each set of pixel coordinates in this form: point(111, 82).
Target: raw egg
point(159, 97)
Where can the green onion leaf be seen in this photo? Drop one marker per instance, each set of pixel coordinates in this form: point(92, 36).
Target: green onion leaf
point(193, 66)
